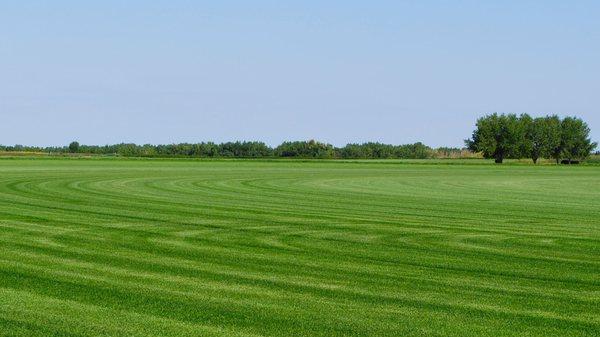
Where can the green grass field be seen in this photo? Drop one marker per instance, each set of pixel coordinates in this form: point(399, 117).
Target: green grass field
point(109, 247)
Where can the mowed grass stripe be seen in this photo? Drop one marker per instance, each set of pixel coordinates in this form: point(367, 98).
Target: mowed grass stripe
point(288, 248)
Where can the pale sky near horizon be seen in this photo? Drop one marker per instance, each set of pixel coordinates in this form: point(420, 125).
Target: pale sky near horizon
point(338, 71)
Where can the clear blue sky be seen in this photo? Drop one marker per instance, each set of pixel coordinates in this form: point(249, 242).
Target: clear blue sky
point(339, 71)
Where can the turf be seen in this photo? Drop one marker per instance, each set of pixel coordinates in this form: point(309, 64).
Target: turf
point(284, 248)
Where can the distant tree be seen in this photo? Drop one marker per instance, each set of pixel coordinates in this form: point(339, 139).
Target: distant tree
point(372, 150)
point(554, 130)
point(351, 151)
point(575, 142)
point(498, 136)
point(209, 149)
point(418, 151)
point(148, 150)
point(304, 149)
point(128, 150)
point(542, 137)
point(527, 144)
point(74, 147)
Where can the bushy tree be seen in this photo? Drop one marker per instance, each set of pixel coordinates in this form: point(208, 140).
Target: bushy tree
point(498, 137)
point(305, 149)
point(575, 142)
point(74, 147)
point(508, 136)
point(353, 151)
point(542, 137)
point(128, 150)
point(554, 135)
point(527, 146)
point(372, 150)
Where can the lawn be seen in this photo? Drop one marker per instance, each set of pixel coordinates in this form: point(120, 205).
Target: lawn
point(110, 247)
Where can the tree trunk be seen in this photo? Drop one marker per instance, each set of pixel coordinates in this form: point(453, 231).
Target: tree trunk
point(534, 160)
point(499, 160)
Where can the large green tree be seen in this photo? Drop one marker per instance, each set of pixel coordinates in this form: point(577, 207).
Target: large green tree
point(542, 136)
point(575, 142)
point(498, 137)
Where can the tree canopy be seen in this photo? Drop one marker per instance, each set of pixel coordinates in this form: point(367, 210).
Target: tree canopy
point(247, 149)
point(574, 141)
point(74, 147)
point(498, 137)
point(501, 136)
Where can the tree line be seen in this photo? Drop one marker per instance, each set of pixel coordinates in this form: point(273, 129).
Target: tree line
point(246, 149)
point(496, 136)
point(501, 136)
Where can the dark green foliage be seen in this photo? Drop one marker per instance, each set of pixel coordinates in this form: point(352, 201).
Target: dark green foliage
point(542, 137)
point(373, 150)
point(74, 147)
point(304, 149)
point(553, 135)
point(414, 151)
point(498, 137)
point(229, 149)
point(501, 136)
point(575, 142)
point(245, 149)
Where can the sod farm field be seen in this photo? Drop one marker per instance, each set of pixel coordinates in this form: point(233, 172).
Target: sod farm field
point(110, 247)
